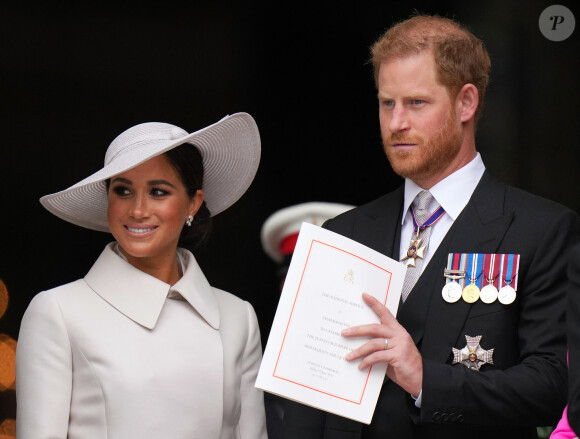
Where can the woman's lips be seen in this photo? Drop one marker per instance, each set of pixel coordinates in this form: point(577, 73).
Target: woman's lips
point(140, 230)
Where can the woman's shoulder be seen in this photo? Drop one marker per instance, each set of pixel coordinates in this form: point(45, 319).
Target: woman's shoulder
point(238, 323)
point(233, 307)
point(230, 300)
point(49, 312)
point(57, 297)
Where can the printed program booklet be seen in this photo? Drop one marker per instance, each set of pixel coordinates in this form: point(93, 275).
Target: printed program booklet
point(304, 359)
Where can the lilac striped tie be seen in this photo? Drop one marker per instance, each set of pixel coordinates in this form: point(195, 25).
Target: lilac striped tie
point(420, 205)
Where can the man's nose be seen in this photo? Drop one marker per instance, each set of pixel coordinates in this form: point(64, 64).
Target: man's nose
point(399, 119)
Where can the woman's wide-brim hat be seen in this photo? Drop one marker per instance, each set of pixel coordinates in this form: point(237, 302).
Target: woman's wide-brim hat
point(230, 149)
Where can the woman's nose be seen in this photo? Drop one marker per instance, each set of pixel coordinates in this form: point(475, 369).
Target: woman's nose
point(139, 207)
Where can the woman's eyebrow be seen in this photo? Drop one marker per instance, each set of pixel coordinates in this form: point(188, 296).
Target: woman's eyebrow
point(149, 183)
point(121, 180)
point(160, 182)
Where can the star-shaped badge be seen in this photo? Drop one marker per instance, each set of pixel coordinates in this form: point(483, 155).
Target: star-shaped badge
point(415, 251)
point(473, 355)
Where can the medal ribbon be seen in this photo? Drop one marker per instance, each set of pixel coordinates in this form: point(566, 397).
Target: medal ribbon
point(501, 273)
point(495, 272)
point(469, 267)
point(480, 268)
point(450, 258)
point(479, 278)
point(474, 268)
point(450, 265)
point(514, 276)
point(510, 265)
point(464, 268)
point(487, 263)
point(435, 216)
point(454, 263)
point(491, 269)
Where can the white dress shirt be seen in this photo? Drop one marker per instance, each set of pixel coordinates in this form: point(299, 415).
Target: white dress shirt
point(452, 193)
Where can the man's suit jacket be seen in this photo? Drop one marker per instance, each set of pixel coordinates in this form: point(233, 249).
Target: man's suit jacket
point(574, 338)
point(526, 385)
point(111, 356)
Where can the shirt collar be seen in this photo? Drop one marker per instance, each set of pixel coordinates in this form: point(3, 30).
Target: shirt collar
point(453, 192)
point(141, 297)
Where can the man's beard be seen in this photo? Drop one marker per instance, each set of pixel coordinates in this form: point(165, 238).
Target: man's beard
point(429, 157)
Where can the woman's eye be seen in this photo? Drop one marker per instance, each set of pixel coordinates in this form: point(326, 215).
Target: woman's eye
point(121, 191)
point(158, 192)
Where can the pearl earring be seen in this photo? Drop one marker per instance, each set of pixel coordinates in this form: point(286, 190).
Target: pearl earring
point(189, 220)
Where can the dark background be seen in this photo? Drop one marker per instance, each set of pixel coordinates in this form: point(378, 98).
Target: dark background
point(74, 77)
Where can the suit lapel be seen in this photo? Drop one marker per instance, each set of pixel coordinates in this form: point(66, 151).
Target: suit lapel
point(374, 226)
point(479, 228)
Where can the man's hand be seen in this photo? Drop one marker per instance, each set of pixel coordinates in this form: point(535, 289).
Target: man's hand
point(405, 362)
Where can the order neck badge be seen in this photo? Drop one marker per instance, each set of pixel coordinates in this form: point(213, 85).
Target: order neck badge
point(417, 248)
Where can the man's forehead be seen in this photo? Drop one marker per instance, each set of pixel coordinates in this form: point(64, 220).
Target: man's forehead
point(414, 70)
point(426, 56)
point(420, 65)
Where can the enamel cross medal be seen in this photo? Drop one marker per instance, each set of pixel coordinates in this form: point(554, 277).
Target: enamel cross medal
point(416, 248)
point(415, 251)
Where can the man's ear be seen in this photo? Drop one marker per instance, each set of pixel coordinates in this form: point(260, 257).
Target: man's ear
point(466, 102)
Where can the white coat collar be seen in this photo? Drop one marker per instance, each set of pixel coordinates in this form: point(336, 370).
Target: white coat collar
point(141, 297)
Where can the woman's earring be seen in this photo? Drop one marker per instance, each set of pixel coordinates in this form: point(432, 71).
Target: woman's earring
point(189, 220)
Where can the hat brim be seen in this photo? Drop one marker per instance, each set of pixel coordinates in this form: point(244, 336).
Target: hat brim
point(231, 154)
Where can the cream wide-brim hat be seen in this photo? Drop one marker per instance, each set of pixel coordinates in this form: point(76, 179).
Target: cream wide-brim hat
point(230, 149)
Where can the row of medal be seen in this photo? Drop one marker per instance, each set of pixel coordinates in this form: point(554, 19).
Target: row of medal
point(478, 276)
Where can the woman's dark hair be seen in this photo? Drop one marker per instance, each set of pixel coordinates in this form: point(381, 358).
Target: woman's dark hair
point(188, 162)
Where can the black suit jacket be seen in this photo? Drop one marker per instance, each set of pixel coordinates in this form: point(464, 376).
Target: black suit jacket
point(574, 338)
point(526, 385)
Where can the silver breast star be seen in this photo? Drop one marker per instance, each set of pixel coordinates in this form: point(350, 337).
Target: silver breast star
point(473, 355)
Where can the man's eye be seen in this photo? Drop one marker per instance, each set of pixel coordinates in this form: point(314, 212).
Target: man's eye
point(418, 101)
